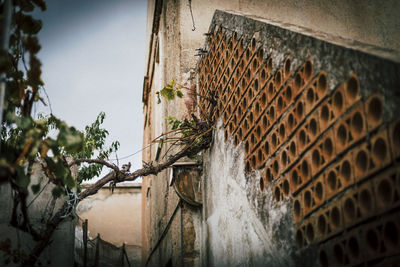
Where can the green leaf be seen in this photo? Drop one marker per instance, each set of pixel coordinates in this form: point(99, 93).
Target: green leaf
point(35, 188)
point(179, 94)
point(22, 178)
point(57, 192)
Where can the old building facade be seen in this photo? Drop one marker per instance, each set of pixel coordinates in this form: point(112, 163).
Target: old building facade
point(303, 167)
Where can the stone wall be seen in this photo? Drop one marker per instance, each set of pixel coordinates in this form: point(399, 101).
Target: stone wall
point(305, 171)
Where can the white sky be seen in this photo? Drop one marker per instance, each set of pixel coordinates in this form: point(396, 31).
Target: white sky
point(93, 60)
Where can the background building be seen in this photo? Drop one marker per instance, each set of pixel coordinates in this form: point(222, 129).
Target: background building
point(304, 171)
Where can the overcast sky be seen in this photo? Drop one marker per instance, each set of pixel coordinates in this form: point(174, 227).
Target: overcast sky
point(93, 60)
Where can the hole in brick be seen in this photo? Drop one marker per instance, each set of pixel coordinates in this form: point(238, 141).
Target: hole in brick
point(259, 155)
point(277, 193)
point(258, 131)
point(252, 139)
point(291, 121)
point(299, 110)
point(325, 113)
point(310, 232)
point(345, 170)
point(352, 88)
point(304, 168)
point(253, 43)
point(319, 191)
point(268, 175)
point(332, 180)
point(308, 69)
point(385, 191)
point(239, 112)
point(263, 75)
point(328, 146)
point(235, 141)
point(266, 148)
point(335, 217)
point(322, 84)
point(307, 199)
point(286, 187)
point(282, 131)
point(349, 209)
point(275, 167)
point(310, 96)
point(258, 109)
point(260, 53)
point(263, 99)
point(362, 160)
point(298, 81)
point(338, 101)
point(255, 63)
point(279, 104)
point(240, 134)
point(243, 83)
point(357, 123)
point(248, 166)
point(391, 234)
point(253, 161)
point(284, 159)
point(226, 135)
point(272, 113)
point(354, 247)
point(265, 122)
point(299, 239)
point(274, 140)
point(372, 240)
point(379, 149)
point(338, 254)
point(302, 137)
point(323, 259)
point(366, 200)
point(251, 117)
point(269, 65)
point(295, 178)
point(271, 90)
point(396, 136)
point(316, 158)
point(321, 224)
point(292, 148)
point(313, 126)
point(248, 74)
point(342, 135)
point(247, 55)
point(278, 78)
point(250, 93)
point(246, 125)
point(288, 94)
point(262, 185)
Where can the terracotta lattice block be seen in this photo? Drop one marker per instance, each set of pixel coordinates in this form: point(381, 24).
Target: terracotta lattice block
point(291, 122)
point(287, 65)
point(287, 155)
point(329, 221)
point(299, 109)
point(298, 83)
point(316, 91)
point(352, 90)
point(394, 133)
point(261, 157)
point(386, 189)
point(327, 114)
point(278, 79)
point(339, 176)
point(343, 251)
point(350, 129)
point(300, 174)
point(265, 73)
point(284, 99)
point(374, 111)
point(271, 90)
point(285, 186)
point(305, 233)
point(323, 152)
point(358, 204)
point(297, 208)
point(313, 195)
point(308, 132)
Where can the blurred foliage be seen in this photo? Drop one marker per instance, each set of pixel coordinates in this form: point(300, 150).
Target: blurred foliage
point(46, 139)
point(170, 91)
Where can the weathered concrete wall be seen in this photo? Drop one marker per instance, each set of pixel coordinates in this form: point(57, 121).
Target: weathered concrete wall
point(304, 171)
point(116, 216)
point(171, 56)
